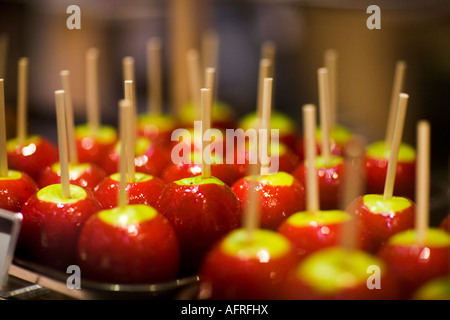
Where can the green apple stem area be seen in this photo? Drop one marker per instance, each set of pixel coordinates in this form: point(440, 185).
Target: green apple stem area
point(223, 150)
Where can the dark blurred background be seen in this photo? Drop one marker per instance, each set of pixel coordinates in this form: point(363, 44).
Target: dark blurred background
point(415, 31)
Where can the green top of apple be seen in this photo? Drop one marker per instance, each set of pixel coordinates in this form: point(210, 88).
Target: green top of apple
point(434, 238)
point(278, 120)
point(220, 111)
point(12, 175)
point(138, 177)
point(105, 134)
point(53, 193)
point(275, 148)
point(332, 269)
point(197, 180)
point(75, 170)
point(376, 204)
point(435, 289)
point(265, 245)
point(338, 134)
point(279, 178)
point(13, 143)
point(141, 144)
point(161, 122)
point(320, 218)
point(130, 214)
point(332, 162)
point(196, 157)
point(379, 150)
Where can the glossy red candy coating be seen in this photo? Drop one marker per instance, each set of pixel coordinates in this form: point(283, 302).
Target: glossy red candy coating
point(15, 192)
point(49, 231)
point(146, 252)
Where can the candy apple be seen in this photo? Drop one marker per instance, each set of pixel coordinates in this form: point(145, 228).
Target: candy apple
point(86, 175)
point(145, 189)
point(34, 154)
point(242, 269)
point(436, 289)
point(330, 178)
point(312, 232)
point(150, 157)
point(157, 128)
point(202, 210)
point(133, 244)
point(51, 225)
point(415, 264)
point(337, 274)
point(376, 163)
point(15, 189)
point(280, 193)
point(380, 219)
point(93, 147)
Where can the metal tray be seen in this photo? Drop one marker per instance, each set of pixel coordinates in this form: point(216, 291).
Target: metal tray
point(41, 277)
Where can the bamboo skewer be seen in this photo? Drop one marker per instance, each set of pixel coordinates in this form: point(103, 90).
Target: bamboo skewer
point(22, 101)
point(325, 112)
point(66, 85)
point(331, 57)
point(3, 150)
point(193, 64)
point(92, 90)
point(264, 72)
point(206, 126)
point(129, 139)
point(265, 126)
point(154, 76)
point(124, 112)
point(62, 142)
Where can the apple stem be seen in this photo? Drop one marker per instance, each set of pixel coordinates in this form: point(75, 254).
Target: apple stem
point(130, 133)
point(62, 142)
point(312, 186)
point(73, 153)
point(92, 95)
point(265, 126)
point(124, 113)
point(22, 100)
point(399, 76)
point(3, 151)
point(154, 83)
point(264, 72)
point(330, 61)
point(205, 95)
point(395, 146)
point(325, 111)
point(193, 65)
point(423, 181)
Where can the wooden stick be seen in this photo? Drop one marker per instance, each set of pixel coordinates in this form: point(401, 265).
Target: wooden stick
point(210, 83)
point(129, 75)
point(399, 76)
point(92, 90)
point(325, 112)
point(130, 138)
point(206, 126)
point(251, 217)
point(66, 85)
point(210, 50)
point(312, 186)
point(3, 151)
point(193, 64)
point(22, 101)
point(3, 54)
point(265, 126)
point(395, 146)
point(264, 72)
point(423, 181)
point(62, 142)
point(124, 108)
point(268, 51)
point(154, 83)
point(331, 57)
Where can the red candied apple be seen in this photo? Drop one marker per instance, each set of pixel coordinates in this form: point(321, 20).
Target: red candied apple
point(337, 274)
point(34, 154)
point(51, 225)
point(436, 289)
point(145, 189)
point(185, 169)
point(134, 244)
point(243, 269)
point(376, 164)
point(15, 189)
point(150, 157)
point(156, 127)
point(414, 264)
point(286, 126)
point(86, 175)
point(330, 179)
point(445, 223)
point(202, 210)
point(280, 193)
point(93, 147)
point(380, 219)
point(339, 136)
point(311, 232)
